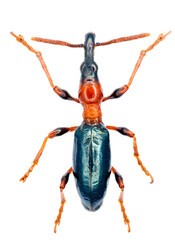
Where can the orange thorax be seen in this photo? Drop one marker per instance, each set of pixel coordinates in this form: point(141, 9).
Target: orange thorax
point(90, 96)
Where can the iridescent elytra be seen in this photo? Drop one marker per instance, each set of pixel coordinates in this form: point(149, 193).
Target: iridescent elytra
point(91, 154)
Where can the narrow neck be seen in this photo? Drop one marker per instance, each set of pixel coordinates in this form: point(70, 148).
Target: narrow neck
point(92, 121)
point(92, 113)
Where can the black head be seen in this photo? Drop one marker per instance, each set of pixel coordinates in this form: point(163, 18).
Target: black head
point(89, 67)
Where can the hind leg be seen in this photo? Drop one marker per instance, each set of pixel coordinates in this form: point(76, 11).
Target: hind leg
point(64, 181)
point(119, 180)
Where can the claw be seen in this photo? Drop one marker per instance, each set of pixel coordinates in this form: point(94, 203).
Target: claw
point(23, 179)
point(152, 179)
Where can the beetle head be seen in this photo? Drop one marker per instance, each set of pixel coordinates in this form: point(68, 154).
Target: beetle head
point(89, 67)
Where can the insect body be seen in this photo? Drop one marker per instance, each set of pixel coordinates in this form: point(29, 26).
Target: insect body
point(91, 163)
point(91, 160)
point(91, 154)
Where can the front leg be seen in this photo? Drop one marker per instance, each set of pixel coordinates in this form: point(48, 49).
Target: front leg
point(120, 91)
point(62, 93)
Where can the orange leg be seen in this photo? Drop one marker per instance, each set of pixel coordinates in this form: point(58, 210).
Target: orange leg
point(160, 38)
point(64, 181)
point(62, 93)
point(120, 91)
point(54, 133)
point(119, 180)
point(128, 133)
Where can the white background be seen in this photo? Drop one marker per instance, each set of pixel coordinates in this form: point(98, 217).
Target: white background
point(30, 109)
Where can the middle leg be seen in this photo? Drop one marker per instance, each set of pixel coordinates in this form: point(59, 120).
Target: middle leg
point(54, 133)
point(128, 133)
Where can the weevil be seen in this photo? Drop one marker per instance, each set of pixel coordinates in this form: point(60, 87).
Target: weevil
point(91, 153)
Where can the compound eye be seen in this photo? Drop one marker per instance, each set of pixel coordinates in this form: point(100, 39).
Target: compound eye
point(94, 68)
point(82, 67)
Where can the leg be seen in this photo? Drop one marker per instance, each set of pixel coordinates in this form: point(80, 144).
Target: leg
point(62, 93)
point(54, 133)
point(64, 181)
point(120, 91)
point(119, 180)
point(128, 133)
